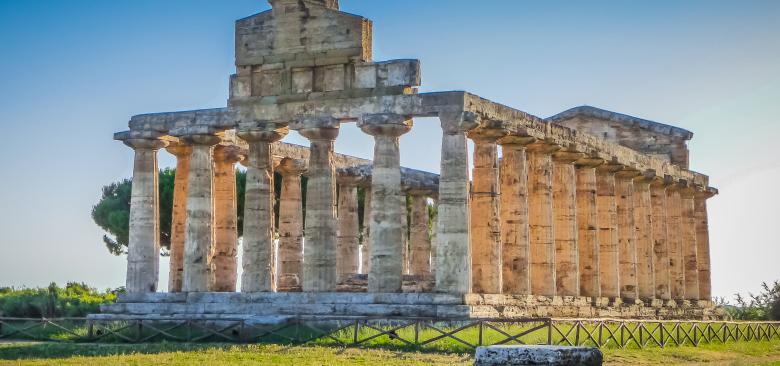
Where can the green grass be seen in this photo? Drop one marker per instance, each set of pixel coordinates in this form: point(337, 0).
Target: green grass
point(742, 353)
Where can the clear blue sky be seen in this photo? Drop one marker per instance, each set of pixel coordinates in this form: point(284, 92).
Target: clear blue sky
point(73, 72)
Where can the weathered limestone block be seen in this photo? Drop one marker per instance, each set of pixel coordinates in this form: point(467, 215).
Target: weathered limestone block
point(419, 236)
point(225, 218)
point(388, 204)
point(674, 230)
point(661, 269)
point(405, 250)
point(624, 198)
point(143, 250)
point(453, 266)
point(258, 260)
point(515, 245)
point(348, 235)
point(703, 242)
point(434, 239)
point(485, 222)
point(199, 242)
point(567, 268)
point(290, 270)
point(179, 214)
point(643, 220)
point(609, 270)
point(540, 220)
point(537, 355)
point(688, 226)
point(587, 227)
point(366, 239)
point(319, 255)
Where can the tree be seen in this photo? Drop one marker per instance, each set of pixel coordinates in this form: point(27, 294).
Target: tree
point(762, 306)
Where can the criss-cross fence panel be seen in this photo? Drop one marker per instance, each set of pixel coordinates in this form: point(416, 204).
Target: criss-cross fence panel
point(408, 333)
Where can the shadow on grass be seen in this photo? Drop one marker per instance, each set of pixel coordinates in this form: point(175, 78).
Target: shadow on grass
point(53, 350)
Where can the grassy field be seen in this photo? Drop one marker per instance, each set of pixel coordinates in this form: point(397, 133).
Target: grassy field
point(743, 353)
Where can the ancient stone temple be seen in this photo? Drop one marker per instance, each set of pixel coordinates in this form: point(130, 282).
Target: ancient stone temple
point(588, 213)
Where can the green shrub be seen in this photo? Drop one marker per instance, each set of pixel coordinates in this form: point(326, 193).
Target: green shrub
point(74, 300)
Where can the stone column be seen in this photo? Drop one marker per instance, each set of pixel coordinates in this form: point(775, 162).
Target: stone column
point(624, 198)
point(405, 255)
point(225, 218)
point(674, 238)
point(661, 274)
point(587, 227)
point(178, 215)
point(434, 240)
point(387, 206)
point(258, 260)
point(366, 243)
point(689, 248)
point(515, 247)
point(643, 221)
point(348, 235)
point(453, 250)
point(485, 222)
point(419, 236)
point(606, 205)
point(703, 242)
point(567, 271)
point(143, 249)
point(540, 219)
point(290, 226)
point(319, 254)
point(199, 242)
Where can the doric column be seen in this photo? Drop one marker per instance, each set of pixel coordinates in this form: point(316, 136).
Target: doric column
point(674, 238)
point(703, 242)
point(419, 237)
point(689, 248)
point(661, 274)
point(178, 214)
point(540, 218)
point(567, 271)
point(624, 199)
point(143, 249)
point(404, 216)
point(387, 206)
point(366, 240)
point(453, 250)
point(258, 259)
point(290, 226)
point(515, 246)
point(485, 221)
point(643, 220)
point(609, 269)
point(588, 227)
point(199, 242)
point(348, 234)
point(225, 218)
point(319, 253)
point(434, 231)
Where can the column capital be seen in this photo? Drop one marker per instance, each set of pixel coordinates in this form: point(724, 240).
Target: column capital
point(458, 122)
point(488, 131)
point(515, 142)
point(147, 144)
point(567, 157)
point(201, 139)
point(588, 162)
point(542, 147)
point(609, 168)
point(415, 192)
point(627, 173)
point(228, 153)
point(646, 177)
point(179, 149)
point(705, 192)
point(265, 132)
point(385, 124)
point(686, 189)
point(317, 128)
point(290, 166)
point(350, 180)
point(661, 182)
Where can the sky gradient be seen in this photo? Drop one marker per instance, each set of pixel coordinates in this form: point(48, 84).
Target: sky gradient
point(72, 73)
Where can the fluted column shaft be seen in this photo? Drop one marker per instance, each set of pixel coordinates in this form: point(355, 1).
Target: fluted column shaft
point(690, 260)
point(703, 243)
point(143, 250)
point(199, 242)
point(453, 257)
point(540, 219)
point(674, 237)
point(225, 219)
point(643, 220)
point(178, 215)
point(348, 234)
point(624, 198)
point(609, 270)
point(588, 228)
point(366, 242)
point(661, 273)
point(388, 206)
point(564, 187)
point(290, 226)
point(485, 223)
point(515, 250)
point(419, 237)
point(258, 259)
